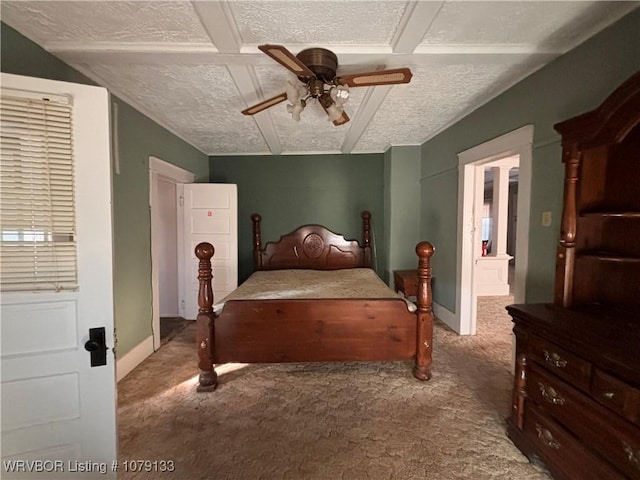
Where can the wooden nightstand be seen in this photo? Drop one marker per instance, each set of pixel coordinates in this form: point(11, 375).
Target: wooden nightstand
point(406, 281)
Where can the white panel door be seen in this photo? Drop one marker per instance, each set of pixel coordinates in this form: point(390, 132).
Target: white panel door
point(58, 412)
point(210, 215)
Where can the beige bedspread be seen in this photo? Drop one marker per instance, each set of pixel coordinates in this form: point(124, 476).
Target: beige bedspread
point(312, 284)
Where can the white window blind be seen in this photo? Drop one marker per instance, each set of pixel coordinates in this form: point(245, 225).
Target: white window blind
point(37, 208)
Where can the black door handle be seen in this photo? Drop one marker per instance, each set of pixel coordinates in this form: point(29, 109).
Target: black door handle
point(97, 346)
point(91, 346)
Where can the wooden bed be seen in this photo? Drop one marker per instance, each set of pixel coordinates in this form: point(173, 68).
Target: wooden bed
point(313, 330)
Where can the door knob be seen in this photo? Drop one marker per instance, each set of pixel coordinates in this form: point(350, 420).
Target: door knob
point(91, 346)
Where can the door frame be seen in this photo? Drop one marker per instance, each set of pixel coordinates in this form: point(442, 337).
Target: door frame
point(518, 142)
point(160, 169)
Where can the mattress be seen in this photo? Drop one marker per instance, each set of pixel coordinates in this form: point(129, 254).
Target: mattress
point(312, 284)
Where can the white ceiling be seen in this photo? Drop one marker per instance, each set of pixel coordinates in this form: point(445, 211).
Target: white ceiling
point(192, 66)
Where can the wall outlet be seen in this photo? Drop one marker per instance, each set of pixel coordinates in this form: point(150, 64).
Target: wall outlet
point(546, 219)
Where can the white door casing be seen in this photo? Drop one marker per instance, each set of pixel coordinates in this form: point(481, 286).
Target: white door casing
point(55, 406)
point(210, 215)
point(516, 143)
point(161, 170)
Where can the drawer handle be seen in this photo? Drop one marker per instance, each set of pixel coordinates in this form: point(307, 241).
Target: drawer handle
point(546, 437)
point(550, 395)
point(633, 456)
point(554, 359)
point(608, 395)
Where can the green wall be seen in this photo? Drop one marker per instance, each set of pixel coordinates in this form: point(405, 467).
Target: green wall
point(290, 191)
point(572, 84)
point(139, 137)
point(401, 208)
point(438, 224)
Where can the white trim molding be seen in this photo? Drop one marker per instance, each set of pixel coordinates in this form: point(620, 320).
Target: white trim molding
point(506, 145)
point(443, 314)
point(134, 357)
point(166, 169)
point(160, 169)
point(516, 143)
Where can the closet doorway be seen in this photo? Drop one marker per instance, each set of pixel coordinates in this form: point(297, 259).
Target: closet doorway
point(167, 272)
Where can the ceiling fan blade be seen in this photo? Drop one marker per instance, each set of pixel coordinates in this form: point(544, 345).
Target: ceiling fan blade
point(258, 107)
point(287, 59)
point(383, 77)
point(342, 120)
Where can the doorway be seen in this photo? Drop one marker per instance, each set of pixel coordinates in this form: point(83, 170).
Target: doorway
point(166, 243)
point(494, 255)
point(494, 265)
point(471, 187)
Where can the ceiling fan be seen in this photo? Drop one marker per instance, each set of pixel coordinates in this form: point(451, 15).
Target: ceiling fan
point(316, 68)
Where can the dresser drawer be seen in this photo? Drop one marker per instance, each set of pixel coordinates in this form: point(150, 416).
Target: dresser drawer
point(611, 437)
point(616, 395)
point(560, 450)
point(561, 362)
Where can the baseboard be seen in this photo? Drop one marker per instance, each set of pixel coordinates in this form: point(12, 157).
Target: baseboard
point(134, 357)
point(446, 316)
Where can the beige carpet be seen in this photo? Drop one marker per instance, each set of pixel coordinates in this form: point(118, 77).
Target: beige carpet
point(330, 421)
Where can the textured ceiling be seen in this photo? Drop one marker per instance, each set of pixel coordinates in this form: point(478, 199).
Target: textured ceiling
point(192, 66)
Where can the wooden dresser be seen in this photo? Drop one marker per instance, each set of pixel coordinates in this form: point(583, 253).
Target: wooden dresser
point(576, 396)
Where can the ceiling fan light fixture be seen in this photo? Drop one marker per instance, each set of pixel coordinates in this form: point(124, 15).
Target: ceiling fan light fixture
point(334, 112)
point(295, 91)
point(339, 94)
point(296, 109)
point(293, 94)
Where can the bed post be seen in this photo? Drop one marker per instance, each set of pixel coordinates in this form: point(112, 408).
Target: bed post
point(205, 321)
point(424, 347)
point(366, 238)
point(257, 243)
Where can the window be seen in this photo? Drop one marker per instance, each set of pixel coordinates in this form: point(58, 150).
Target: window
point(37, 207)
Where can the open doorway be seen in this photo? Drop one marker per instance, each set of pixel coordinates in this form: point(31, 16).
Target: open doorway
point(472, 162)
point(171, 323)
point(494, 269)
point(494, 253)
point(166, 245)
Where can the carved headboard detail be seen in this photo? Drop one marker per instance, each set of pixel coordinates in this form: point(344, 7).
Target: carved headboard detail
point(313, 247)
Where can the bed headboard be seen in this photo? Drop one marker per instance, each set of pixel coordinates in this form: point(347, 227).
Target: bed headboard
point(313, 247)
